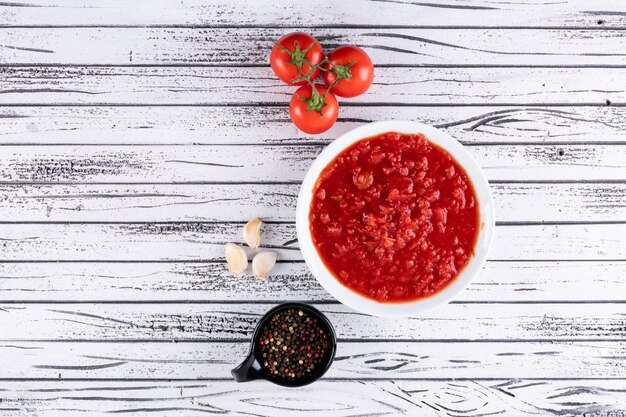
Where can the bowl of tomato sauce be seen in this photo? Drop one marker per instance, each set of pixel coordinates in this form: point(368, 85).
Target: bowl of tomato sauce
point(395, 218)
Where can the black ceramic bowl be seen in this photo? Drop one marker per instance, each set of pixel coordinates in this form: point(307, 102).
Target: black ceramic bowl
point(251, 368)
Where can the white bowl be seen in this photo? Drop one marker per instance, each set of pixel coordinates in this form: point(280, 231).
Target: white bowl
point(367, 305)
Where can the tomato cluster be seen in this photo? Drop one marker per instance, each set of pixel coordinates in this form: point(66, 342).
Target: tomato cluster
point(298, 59)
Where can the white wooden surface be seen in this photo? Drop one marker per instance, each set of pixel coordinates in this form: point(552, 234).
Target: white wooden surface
point(137, 137)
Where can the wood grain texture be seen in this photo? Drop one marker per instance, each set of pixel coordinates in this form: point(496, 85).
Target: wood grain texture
point(136, 138)
point(208, 322)
point(245, 86)
point(574, 202)
point(473, 13)
point(280, 163)
point(251, 46)
point(360, 361)
point(472, 398)
point(516, 281)
point(193, 242)
point(271, 125)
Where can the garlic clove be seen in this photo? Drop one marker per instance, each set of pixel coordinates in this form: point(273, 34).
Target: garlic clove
point(236, 258)
point(252, 233)
point(262, 263)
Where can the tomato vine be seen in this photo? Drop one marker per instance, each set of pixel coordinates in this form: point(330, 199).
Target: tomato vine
point(316, 101)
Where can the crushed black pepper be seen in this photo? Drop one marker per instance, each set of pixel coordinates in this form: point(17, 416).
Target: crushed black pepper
point(293, 345)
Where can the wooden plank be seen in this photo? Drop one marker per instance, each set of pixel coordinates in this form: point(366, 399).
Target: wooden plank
point(519, 397)
point(85, 281)
point(574, 202)
point(316, 13)
point(245, 86)
point(251, 46)
point(205, 241)
point(280, 163)
point(215, 321)
point(354, 360)
point(271, 125)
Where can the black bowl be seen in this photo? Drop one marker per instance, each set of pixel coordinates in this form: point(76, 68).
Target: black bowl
point(251, 369)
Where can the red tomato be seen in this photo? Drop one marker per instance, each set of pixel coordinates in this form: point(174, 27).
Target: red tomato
point(284, 63)
point(305, 107)
point(359, 75)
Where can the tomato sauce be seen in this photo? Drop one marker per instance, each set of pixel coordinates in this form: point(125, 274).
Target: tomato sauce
point(394, 217)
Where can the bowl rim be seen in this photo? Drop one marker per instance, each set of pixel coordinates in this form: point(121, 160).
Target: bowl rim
point(359, 302)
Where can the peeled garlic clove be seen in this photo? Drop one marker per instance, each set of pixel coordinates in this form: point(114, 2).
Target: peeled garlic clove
point(236, 258)
point(263, 263)
point(252, 233)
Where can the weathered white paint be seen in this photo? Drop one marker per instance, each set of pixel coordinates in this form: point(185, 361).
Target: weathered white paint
point(354, 360)
point(251, 46)
point(337, 398)
point(473, 13)
point(195, 241)
point(125, 215)
point(281, 163)
point(151, 125)
point(250, 85)
point(575, 202)
point(208, 322)
point(511, 281)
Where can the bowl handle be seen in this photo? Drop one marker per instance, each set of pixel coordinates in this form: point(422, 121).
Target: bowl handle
point(248, 370)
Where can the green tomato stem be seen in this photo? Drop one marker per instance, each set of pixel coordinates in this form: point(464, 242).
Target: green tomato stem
point(316, 101)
